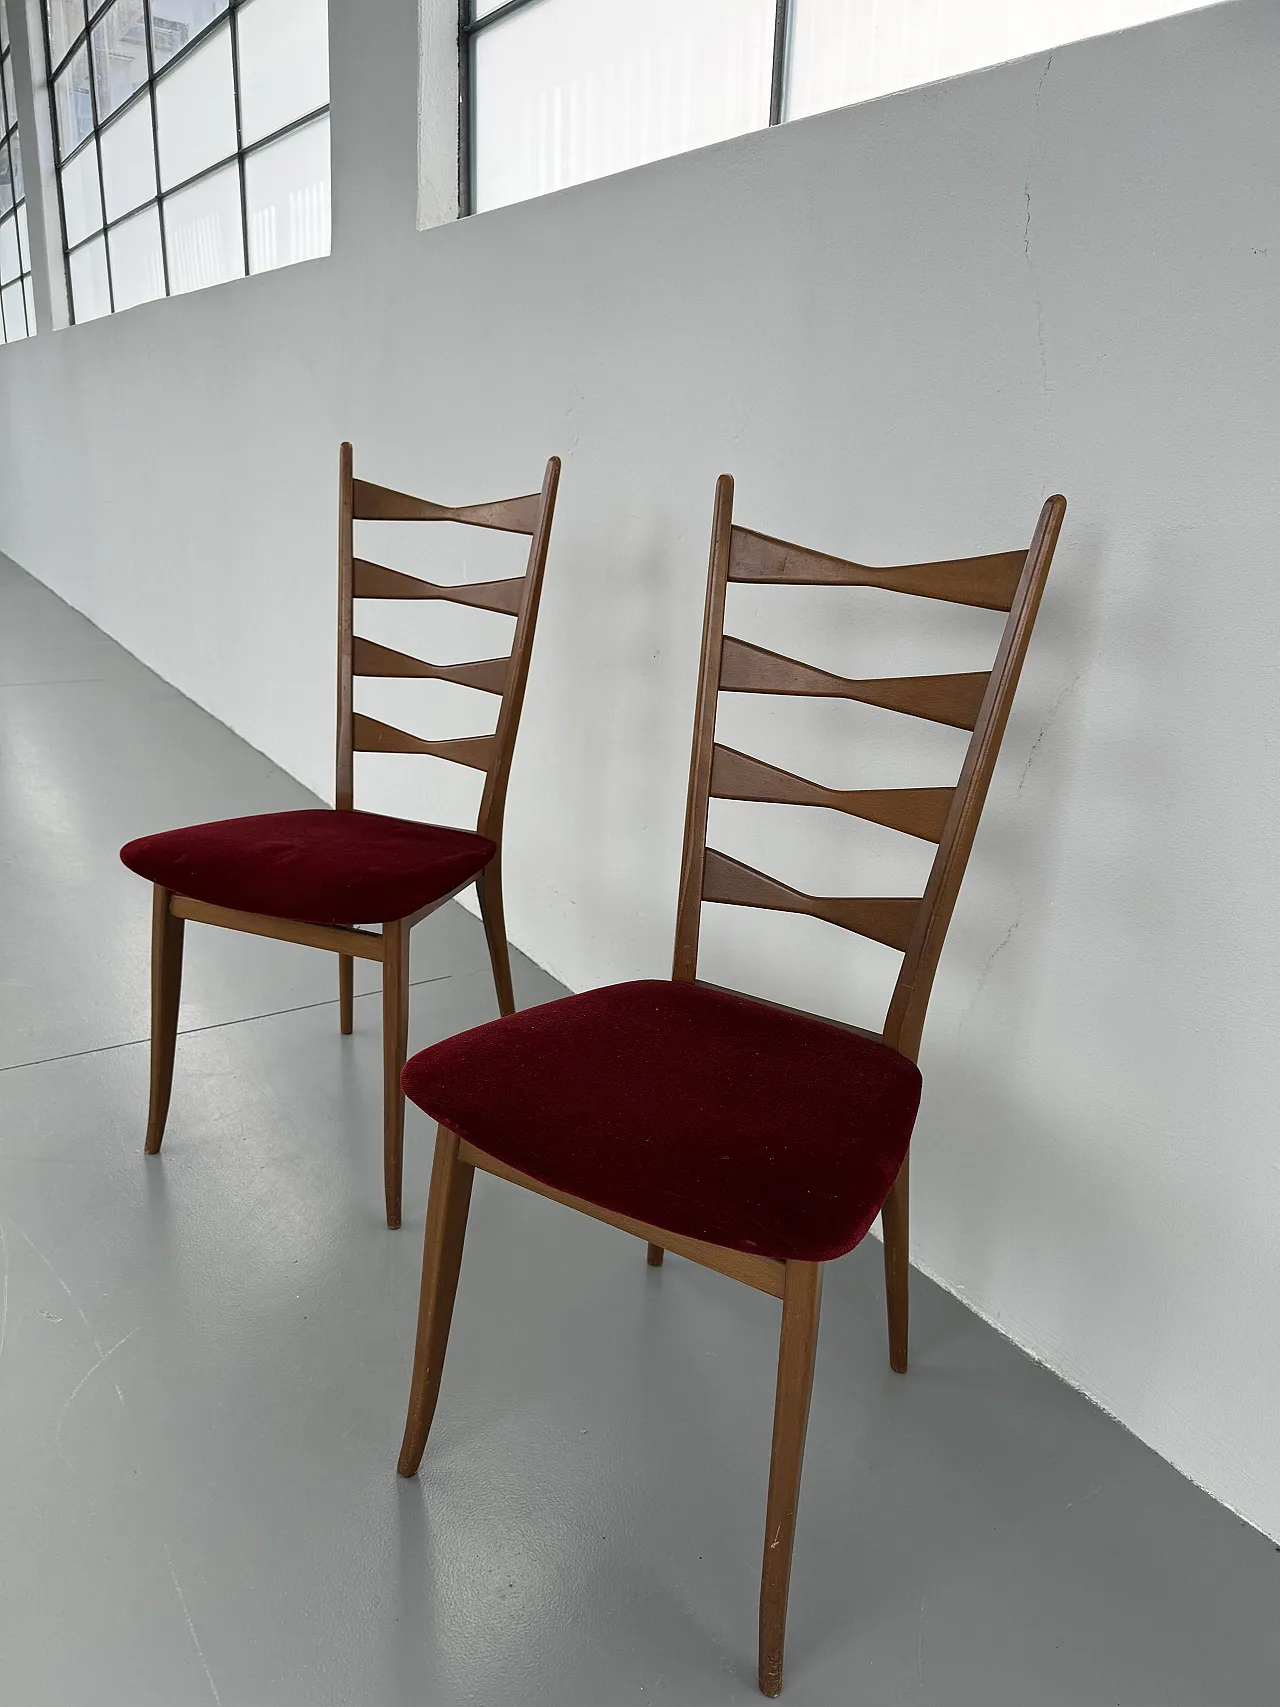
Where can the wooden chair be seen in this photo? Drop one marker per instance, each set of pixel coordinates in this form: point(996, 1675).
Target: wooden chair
point(756, 1140)
point(319, 877)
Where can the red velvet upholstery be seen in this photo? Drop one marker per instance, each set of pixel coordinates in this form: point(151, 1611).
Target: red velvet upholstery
point(323, 867)
point(696, 1110)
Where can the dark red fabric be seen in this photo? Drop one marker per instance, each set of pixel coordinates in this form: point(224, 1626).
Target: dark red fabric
point(323, 867)
point(697, 1110)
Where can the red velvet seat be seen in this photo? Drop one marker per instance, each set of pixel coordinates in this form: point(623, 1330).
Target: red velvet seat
point(693, 1109)
point(319, 866)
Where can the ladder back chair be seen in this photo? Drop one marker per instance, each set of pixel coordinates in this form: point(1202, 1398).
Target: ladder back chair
point(321, 877)
point(755, 1139)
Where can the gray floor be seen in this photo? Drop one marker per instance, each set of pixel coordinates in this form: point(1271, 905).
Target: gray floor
point(204, 1360)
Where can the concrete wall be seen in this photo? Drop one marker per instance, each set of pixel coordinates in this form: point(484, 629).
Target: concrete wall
point(899, 326)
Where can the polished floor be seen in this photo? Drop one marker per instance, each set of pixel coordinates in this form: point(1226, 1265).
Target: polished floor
point(204, 1360)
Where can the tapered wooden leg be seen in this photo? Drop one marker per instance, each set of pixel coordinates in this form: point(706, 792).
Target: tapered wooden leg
point(656, 1254)
point(441, 1259)
point(346, 993)
point(801, 1301)
point(166, 989)
point(895, 1224)
point(489, 890)
point(395, 1043)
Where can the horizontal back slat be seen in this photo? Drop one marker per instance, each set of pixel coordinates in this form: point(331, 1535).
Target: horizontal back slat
point(990, 582)
point(918, 812)
point(371, 736)
point(371, 659)
point(373, 581)
point(381, 504)
point(956, 700)
point(884, 920)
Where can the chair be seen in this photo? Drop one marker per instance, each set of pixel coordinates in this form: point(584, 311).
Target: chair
point(756, 1140)
point(320, 876)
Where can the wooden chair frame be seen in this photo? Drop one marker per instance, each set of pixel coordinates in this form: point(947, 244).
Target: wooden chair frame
point(1009, 581)
point(506, 677)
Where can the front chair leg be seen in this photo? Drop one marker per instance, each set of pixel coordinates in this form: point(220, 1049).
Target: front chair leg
point(895, 1224)
point(166, 990)
point(346, 994)
point(395, 1045)
point(801, 1302)
point(489, 892)
point(441, 1259)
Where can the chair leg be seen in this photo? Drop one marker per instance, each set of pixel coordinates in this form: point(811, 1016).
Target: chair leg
point(489, 891)
point(801, 1302)
point(166, 989)
point(656, 1254)
point(895, 1224)
point(441, 1259)
point(395, 1044)
point(346, 993)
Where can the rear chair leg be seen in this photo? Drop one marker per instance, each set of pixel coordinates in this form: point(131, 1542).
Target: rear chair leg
point(441, 1259)
point(346, 993)
point(489, 891)
point(166, 989)
point(395, 1044)
point(656, 1254)
point(896, 1226)
point(797, 1347)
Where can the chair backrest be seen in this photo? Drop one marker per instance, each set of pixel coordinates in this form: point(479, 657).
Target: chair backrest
point(517, 596)
point(1010, 581)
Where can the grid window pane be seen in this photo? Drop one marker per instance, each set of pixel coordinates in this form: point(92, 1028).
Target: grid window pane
point(287, 194)
point(30, 299)
point(90, 293)
point(174, 22)
point(10, 96)
point(6, 180)
point(24, 238)
point(66, 20)
point(569, 90)
point(81, 202)
point(13, 305)
point(15, 150)
point(284, 63)
point(74, 102)
point(137, 263)
point(10, 261)
point(205, 233)
point(128, 160)
point(119, 55)
point(4, 26)
point(196, 111)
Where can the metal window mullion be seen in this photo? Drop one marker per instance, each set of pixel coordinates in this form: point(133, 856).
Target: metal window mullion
point(102, 189)
point(57, 163)
point(778, 76)
point(466, 62)
point(233, 24)
point(155, 147)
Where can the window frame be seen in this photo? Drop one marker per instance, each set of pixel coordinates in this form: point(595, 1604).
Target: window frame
point(95, 11)
point(8, 135)
point(470, 27)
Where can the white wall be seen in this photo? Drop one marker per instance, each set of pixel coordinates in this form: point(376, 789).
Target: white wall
point(899, 326)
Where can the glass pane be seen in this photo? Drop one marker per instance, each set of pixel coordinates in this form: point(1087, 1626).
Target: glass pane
point(574, 90)
point(119, 55)
point(81, 202)
point(4, 23)
point(24, 238)
point(10, 266)
point(284, 63)
point(843, 51)
point(174, 22)
point(287, 191)
point(66, 20)
point(88, 266)
point(196, 110)
point(6, 180)
point(203, 232)
point(128, 160)
point(29, 298)
point(19, 187)
point(72, 99)
point(10, 98)
point(137, 269)
point(14, 306)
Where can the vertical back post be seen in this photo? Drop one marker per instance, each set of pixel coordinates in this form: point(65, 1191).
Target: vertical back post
point(344, 785)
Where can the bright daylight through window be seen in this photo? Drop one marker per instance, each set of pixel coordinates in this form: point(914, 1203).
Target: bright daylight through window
point(17, 311)
point(555, 92)
point(192, 140)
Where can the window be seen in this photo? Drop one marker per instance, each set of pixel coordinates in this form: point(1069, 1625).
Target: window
point(554, 92)
point(17, 310)
point(192, 140)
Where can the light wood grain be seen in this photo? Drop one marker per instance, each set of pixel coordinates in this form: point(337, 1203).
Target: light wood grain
point(920, 812)
point(339, 939)
point(941, 699)
point(382, 504)
point(884, 919)
point(489, 675)
point(374, 581)
point(372, 736)
point(990, 582)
